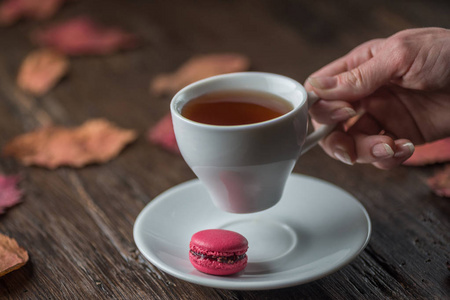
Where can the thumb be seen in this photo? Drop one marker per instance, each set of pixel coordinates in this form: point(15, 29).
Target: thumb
point(355, 83)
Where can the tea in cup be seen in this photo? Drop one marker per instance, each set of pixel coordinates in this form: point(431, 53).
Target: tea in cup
point(242, 133)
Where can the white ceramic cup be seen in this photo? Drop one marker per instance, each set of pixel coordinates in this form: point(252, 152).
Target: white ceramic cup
point(245, 167)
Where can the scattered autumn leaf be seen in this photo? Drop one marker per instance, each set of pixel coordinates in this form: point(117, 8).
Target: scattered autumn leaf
point(95, 141)
point(41, 70)
point(81, 35)
point(12, 11)
point(440, 182)
point(435, 152)
point(9, 193)
point(12, 256)
point(162, 134)
point(196, 68)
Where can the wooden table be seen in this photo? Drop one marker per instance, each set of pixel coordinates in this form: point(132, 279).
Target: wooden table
point(77, 223)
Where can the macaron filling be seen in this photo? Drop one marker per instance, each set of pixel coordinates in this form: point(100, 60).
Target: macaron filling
point(221, 259)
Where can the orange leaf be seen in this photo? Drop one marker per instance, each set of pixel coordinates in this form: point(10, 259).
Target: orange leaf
point(41, 70)
point(12, 256)
point(13, 10)
point(96, 141)
point(196, 68)
point(435, 152)
point(81, 35)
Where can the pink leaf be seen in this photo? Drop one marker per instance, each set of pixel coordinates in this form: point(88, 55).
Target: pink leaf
point(440, 182)
point(162, 134)
point(81, 35)
point(9, 193)
point(12, 11)
point(435, 152)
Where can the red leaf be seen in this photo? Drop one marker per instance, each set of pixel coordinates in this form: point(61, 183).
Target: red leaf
point(96, 141)
point(196, 68)
point(12, 11)
point(435, 152)
point(12, 256)
point(440, 182)
point(162, 134)
point(81, 35)
point(9, 194)
point(41, 70)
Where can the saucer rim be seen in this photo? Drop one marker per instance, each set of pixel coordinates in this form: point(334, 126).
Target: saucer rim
point(221, 282)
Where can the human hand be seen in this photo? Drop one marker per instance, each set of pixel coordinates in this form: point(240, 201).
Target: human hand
point(398, 91)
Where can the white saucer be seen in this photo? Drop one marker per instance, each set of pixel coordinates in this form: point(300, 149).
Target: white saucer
point(315, 229)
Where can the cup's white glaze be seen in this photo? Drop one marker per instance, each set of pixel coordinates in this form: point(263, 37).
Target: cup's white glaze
point(244, 167)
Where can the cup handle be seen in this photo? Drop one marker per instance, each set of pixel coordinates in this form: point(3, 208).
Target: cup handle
point(313, 138)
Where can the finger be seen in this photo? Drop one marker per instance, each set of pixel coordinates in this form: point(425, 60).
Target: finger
point(358, 82)
point(362, 143)
point(403, 150)
point(335, 67)
point(340, 146)
point(373, 148)
point(351, 60)
point(329, 112)
point(370, 145)
point(383, 150)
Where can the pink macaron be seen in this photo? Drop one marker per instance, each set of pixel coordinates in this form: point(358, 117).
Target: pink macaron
point(218, 251)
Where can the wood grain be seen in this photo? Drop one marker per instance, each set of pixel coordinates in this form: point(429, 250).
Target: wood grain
point(77, 223)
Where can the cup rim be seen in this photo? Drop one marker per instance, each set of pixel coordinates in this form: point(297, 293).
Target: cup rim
point(297, 107)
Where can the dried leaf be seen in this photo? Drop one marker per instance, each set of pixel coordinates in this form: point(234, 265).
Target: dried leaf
point(81, 36)
point(12, 256)
point(440, 182)
point(435, 152)
point(96, 141)
point(162, 134)
point(41, 70)
point(196, 68)
point(12, 11)
point(9, 193)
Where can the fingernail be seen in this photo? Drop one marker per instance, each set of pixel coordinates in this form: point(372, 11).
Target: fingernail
point(323, 83)
point(382, 150)
point(406, 150)
point(342, 114)
point(343, 156)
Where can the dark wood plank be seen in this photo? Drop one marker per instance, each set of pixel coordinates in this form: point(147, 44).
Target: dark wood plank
point(77, 223)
